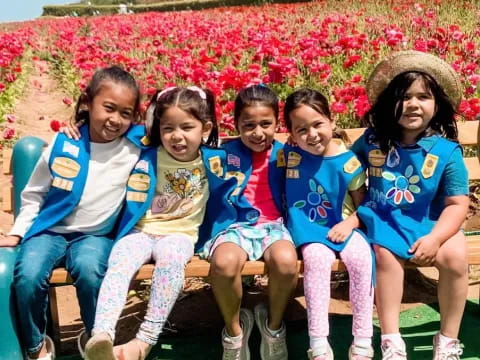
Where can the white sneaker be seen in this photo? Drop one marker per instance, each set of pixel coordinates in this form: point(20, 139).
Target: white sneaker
point(238, 350)
point(358, 352)
point(271, 347)
point(321, 354)
point(451, 351)
point(391, 352)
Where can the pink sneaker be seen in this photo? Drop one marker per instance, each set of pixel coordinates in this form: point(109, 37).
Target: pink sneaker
point(358, 352)
point(451, 351)
point(320, 354)
point(391, 352)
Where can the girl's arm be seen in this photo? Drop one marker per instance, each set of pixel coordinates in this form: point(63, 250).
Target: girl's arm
point(341, 231)
point(450, 221)
point(71, 129)
point(454, 190)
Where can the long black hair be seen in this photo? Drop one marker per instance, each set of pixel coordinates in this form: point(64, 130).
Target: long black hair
point(384, 115)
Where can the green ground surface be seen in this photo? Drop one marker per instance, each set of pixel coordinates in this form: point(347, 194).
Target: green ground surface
point(417, 326)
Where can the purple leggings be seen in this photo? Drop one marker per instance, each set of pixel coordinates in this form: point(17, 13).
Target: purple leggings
point(318, 260)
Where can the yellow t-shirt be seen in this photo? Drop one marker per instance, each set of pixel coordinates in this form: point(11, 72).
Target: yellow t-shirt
point(181, 195)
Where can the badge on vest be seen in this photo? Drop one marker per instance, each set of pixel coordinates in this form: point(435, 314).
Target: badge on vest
point(70, 149)
point(293, 174)
point(65, 167)
point(236, 174)
point(280, 158)
point(351, 165)
point(63, 184)
point(216, 165)
point(142, 165)
point(293, 159)
point(139, 182)
point(136, 196)
point(376, 157)
point(429, 165)
point(145, 140)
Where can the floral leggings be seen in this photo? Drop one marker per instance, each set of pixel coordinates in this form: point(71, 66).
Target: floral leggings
point(170, 254)
point(318, 260)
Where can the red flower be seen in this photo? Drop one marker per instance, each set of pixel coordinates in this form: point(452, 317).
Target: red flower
point(339, 108)
point(8, 133)
point(55, 125)
point(67, 101)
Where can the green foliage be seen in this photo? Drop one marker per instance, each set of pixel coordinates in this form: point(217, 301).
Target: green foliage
point(89, 10)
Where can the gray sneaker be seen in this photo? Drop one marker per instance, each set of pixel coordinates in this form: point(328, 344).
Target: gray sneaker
point(239, 350)
point(271, 347)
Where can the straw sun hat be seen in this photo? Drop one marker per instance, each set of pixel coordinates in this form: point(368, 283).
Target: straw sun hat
point(411, 60)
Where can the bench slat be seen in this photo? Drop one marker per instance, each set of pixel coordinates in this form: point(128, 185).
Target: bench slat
point(200, 268)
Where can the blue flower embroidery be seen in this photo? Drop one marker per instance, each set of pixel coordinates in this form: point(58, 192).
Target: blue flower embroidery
point(403, 187)
point(318, 200)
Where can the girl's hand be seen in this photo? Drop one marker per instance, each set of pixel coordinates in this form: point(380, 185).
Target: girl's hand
point(425, 250)
point(9, 240)
point(340, 232)
point(71, 130)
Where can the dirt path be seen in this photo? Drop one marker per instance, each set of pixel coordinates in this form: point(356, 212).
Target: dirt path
point(40, 103)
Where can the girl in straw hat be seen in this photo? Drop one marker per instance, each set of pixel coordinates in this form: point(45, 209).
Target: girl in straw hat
point(418, 190)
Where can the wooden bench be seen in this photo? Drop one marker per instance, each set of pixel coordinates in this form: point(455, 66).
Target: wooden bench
point(469, 135)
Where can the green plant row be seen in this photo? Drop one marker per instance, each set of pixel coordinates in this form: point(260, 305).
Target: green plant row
point(89, 10)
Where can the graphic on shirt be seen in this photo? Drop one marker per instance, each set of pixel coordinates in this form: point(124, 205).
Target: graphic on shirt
point(179, 193)
point(404, 186)
point(318, 203)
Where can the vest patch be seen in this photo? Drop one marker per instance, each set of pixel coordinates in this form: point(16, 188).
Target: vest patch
point(293, 174)
point(136, 196)
point(351, 165)
point(63, 184)
point(70, 149)
point(280, 158)
point(236, 174)
point(294, 159)
point(374, 171)
point(376, 157)
point(142, 165)
point(65, 167)
point(145, 140)
point(139, 182)
point(233, 160)
point(215, 165)
point(429, 165)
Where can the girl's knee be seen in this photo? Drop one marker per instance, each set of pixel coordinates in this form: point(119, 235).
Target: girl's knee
point(453, 260)
point(318, 255)
point(384, 258)
point(226, 264)
point(284, 261)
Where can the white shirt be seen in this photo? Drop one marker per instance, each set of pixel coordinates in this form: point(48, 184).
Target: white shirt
point(109, 168)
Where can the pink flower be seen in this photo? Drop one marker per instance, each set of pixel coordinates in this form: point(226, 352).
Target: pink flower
point(8, 133)
point(339, 107)
point(67, 101)
point(11, 118)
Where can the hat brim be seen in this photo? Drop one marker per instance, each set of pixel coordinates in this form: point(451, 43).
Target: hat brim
point(405, 61)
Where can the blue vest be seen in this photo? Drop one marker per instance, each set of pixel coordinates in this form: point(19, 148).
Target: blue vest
point(402, 187)
point(228, 205)
point(316, 187)
point(142, 182)
point(68, 165)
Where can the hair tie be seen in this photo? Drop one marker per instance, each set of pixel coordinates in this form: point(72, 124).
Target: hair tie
point(199, 91)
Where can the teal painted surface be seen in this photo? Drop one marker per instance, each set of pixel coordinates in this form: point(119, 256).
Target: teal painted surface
point(9, 344)
point(26, 153)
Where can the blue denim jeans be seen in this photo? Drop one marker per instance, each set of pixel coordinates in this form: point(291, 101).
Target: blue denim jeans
point(84, 256)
